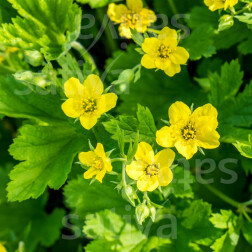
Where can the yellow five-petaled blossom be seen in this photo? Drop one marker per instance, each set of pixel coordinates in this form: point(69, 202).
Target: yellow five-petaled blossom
point(97, 161)
point(2, 248)
point(133, 16)
point(220, 4)
point(164, 53)
point(150, 170)
point(188, 130)
point(87, 102)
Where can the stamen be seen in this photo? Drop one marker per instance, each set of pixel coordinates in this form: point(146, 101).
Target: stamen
point(163, 51)
point(188, 132)
point(98, 163)
point(89, 105)
point(152, 169)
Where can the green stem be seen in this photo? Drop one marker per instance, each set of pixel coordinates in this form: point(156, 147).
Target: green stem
point(223, 196)
point(110, 40)
point(84, 53)
point(124, 174)
point(173, 6)
point(243, 211)
point(118, 160)
point(153, 31)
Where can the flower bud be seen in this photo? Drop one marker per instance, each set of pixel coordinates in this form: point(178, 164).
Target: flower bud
point(153, 213)
point(226, 22)
point(34, 58)
point(129, 194)
point(142, 212)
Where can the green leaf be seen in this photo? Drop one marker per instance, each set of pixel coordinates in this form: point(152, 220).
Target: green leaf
point(144, 123)
point(79, 194)
point(70, 68)
point(223, 219)
point(19, 100)
point(245, 148)
point(147, 125)
point(245, 18)
point(247, 231)
point(225, 86)
point(196, 214)
point(48, 26)
point(47, 153)
point(200, 47)
point(111, 227)
point(28, 222)
point(226, 220)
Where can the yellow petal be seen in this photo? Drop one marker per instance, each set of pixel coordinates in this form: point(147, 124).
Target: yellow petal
point(186, 149)
point(100, 175)
point(169, 37)
point(162, 63)
point(178, 112)
point(148, 17)
point(147, 183)
point(135, 170)
point(93, 86)
point(208, 139)
point(165, 176)
point(179, 56)
point(99, 151)
point(166, 136)
point(165, 158)
point(106, 102)
point(150, 45)
point(90, 173)
point(2, 248)
point(145, 153)
point(206, 110)
point(72, 108)
point(124, 31)
point(205, 117)
point(135, 5)
point(148, 61)
point(73, 88)
point(87, 158)
point(115, 12)
point(172, 69)
point(107, 165)
point(88, 122)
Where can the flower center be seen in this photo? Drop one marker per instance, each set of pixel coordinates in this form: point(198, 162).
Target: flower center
point(152, 169)
point(131, 18)
point(164, 51)
point(98, 163)
point(188, 132)
point(89, 105)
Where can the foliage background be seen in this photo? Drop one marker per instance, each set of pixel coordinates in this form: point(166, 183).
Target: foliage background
point(40, 183)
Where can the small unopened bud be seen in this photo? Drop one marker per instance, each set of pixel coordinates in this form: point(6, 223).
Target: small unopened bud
point(129, 194)
point(226, 22)
point(142, 212)
point(153, 213)
point(34, 58)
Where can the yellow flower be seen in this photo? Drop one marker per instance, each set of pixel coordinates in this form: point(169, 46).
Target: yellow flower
point(188, 130)
point(164, 53)
point(98, 162)
point(220, 4)
point(151, 171)
point(86, 101)
point(11, 50)
point(133, 16)
point(2, 248)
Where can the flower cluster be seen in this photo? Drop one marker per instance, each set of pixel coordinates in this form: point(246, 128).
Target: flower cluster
point(214, 5)
point(164, 53)
point(133, 16)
